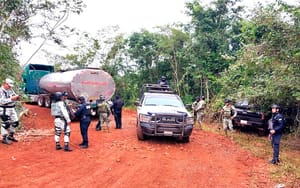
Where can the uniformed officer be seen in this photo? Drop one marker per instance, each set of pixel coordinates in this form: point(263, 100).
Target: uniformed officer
point(104, 112)
point(84, 115)
point(198, 107)
point(163, 81)
point(276, 131)
point(228, 112)
point(8, 113)
point(62, 121)
point(116, 109)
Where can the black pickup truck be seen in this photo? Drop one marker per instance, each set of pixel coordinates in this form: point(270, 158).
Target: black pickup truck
point(250, 115)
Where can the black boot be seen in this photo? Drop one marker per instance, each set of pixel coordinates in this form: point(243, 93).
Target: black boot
point(67, 148)
point(5, 140)
point(84, 145)
point(58, 147)
point(12, 138)
point(98, 126)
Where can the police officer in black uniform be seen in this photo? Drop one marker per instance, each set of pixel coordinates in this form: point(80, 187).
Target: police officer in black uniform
point(84, 115)
point(116, 110)
point(276, 131)
point(163, 81)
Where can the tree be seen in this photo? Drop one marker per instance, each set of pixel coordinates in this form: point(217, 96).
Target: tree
point(17, 22)
point(268, 66)
point(215, 42)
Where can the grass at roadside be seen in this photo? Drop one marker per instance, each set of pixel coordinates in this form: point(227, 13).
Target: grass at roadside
point(288, 171)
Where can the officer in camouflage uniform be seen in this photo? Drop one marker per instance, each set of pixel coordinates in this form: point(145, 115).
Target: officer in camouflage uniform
point(8, 113)
point(104, 112)
point(198, 107)
point(228, 112)
point(62, 121)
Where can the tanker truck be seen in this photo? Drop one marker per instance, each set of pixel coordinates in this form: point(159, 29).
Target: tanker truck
point(40, 82)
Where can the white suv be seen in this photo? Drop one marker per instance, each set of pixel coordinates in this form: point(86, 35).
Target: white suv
point(162, 113)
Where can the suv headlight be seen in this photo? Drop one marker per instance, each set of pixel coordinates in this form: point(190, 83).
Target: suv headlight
point(190, 120)
point(145, 118)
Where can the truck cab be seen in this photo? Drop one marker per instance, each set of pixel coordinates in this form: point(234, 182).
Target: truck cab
point(31, 76)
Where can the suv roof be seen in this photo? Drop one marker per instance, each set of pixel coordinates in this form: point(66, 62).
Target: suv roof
point(156, 88)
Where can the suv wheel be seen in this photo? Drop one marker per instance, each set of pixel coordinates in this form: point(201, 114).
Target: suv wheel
point(185, 139)
point(140, 134)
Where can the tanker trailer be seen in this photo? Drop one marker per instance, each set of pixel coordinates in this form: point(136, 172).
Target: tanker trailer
point(89, 83)
point(40, 83)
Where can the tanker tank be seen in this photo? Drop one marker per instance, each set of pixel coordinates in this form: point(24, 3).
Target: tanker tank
point(89, 83)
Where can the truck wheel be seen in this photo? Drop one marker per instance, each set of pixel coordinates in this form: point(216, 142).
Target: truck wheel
point(47, 102)
point(185, 139)
point(140, 134)
point(41, 101)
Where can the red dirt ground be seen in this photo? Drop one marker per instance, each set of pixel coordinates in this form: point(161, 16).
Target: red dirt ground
point(118, 159)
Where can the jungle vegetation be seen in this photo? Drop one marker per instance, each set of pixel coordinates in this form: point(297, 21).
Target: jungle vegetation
point(221, 53)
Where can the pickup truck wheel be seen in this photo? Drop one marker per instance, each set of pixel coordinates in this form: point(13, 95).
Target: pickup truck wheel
point(185, 139)
point(41, 101)
point(140, 134)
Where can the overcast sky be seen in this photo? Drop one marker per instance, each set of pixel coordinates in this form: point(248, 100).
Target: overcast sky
point(130, 15)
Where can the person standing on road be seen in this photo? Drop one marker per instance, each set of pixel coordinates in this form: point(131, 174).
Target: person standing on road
point(8, 113)
point(276, 131)
point(229, 112)
point(116, 109)
point(104, 112)
point(84, 115)
point(198, 107)
point(62, 121)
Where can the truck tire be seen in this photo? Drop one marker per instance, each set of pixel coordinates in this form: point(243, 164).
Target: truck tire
point(47, 102)
point(41, 101)
point(185, 139)
point(139, 133)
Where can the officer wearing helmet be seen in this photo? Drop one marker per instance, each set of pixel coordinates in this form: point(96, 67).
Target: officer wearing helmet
point(103, 110)
point(228, 112)
point(276, 131)
point(84, 115)
point(62, 121)
point(8, 113)
point(163, 81)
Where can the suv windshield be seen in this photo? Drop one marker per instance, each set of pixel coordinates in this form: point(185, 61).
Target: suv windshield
point(162, 101)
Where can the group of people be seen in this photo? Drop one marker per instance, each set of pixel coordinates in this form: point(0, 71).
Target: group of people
point(63, 117)
point(228, 112)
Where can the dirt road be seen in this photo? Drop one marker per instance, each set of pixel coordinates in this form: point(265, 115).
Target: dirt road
point(118, 159)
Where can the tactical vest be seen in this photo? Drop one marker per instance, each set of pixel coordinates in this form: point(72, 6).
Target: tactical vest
point(227, 111)
point(102, 107)
point(55, 110)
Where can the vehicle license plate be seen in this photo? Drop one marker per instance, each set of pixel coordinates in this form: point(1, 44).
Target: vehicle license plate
point(168, 119)
point(168, 133)
point(244, 122)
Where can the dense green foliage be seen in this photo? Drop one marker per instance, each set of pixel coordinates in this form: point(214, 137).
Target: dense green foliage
point(218, 54)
